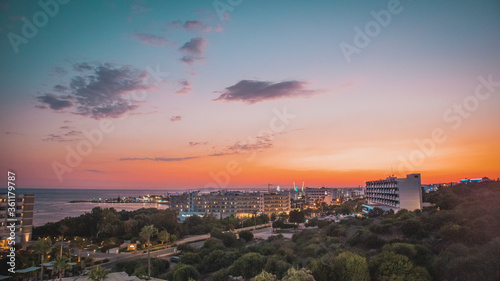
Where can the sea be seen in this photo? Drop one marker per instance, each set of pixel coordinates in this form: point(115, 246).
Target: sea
point(52, 205)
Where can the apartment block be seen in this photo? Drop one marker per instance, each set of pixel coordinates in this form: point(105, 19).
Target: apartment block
point(276, 202)
point(225, 203)
point(23, 215)
point(395, 193)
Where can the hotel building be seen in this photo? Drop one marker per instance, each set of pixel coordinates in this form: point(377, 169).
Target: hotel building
point(394, 193)
point(24, 206)
point(225, 203)
point(318, 194)
point(275, 202)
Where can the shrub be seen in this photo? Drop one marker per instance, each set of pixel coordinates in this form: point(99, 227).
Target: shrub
point(248, 265)
point(246, 235)
point(183, 272)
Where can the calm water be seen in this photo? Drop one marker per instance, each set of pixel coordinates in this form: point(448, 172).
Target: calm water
point(52, 205)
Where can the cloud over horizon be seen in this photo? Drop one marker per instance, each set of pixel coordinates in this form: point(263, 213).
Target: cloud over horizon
point(253, 91)
point(93, 171)
point(69, 134)
point(100, 91)
point(163, 159)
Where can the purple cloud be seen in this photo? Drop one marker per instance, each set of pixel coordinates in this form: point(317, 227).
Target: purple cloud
point(175, 118)
point(54, 102)
point(186, 87)
point(193, 49)
point(159, 159)
point(195, 46)
point(251, 91)
point(93, 171)
point(193, 25)
point(150, 39)
point(194, 143)
point(100, 91)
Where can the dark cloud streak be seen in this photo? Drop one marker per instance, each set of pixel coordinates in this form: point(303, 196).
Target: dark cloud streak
point(252, 91)
point(162, 159)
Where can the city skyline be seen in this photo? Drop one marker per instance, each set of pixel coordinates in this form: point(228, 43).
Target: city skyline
point(167, 95)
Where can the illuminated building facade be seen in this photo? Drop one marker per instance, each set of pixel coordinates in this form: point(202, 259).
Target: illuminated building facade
point(24, 205)
point(225, 203)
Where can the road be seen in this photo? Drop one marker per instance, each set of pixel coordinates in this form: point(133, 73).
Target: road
point(165, 253)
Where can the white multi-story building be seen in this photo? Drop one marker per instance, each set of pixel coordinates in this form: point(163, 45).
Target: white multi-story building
point(395, 193)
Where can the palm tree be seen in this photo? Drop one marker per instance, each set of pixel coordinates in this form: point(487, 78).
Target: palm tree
point(146, 233)
point(62, 229)
point(43, 247)
point(164, 236)
point(80, 243)
point(98, 274)
point(61, 264)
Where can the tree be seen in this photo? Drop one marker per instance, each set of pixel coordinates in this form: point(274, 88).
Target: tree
point(277, 265)
point(98, 274)
point(284, 216)
point(229, 239)
point(265, 276)
point(62, 229)
point(264, 218)
point(298, 275)
point(80, 243)
point(146, 233)
point(60, 265)
point(173, 238)
point(413, 228)
point(164, 236)
point(273, 216)
point(375, 212)
point(185, 272)
point(322, 268)
point(297, 216)
point(218, 259)
point(246, 235)
point(42, 247)
point(248, 265)
point(389, 266)
point(351, 267)
point(216, 232)
point(278, 224)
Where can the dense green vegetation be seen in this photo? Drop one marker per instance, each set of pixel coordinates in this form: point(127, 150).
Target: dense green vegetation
point(457, 239)
point(101, 224)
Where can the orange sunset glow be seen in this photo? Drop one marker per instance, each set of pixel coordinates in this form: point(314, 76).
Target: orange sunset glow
point(261, 95)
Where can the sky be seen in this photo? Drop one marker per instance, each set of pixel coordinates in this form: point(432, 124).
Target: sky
point(242, 94)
